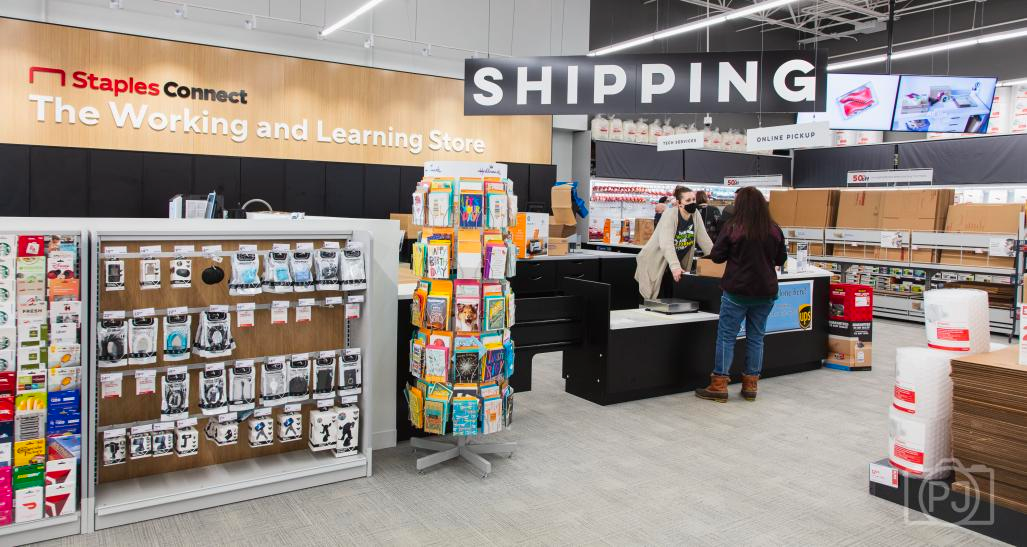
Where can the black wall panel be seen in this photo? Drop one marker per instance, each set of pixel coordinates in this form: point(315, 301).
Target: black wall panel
point(408, 179)
point(829, 167)
point(775, 165)
point(305, 186)
point(115, 183)
point(637, 161)
point(164, 176)
point(985, 160)
point(518, 173)
point(344, 189)
point(263, 178)
point(15, 180)
point(219, 174)
point(541, 179)
point(60, 182)
point(710, 166)
point(381, 190)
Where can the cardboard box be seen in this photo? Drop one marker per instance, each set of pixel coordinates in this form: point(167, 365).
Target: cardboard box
point(558, 246)
point(561, 230)
point(782, 206)
point(981, 218)
point(644, 228)
point(861, 330)
point(563, 205)
point(531, 234)
point(708, 268)
point(406, 223)
point(845, 353)
point(804, 208)
point(914, 210)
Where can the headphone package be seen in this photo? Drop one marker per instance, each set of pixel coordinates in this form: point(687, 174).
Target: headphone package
point(352, 271)
point(187, 441)
point(245, 274)
point(114, 275)
point(177, 329)
point(181, 273)
point(273, 386)
point(348, 436)
point(214, 335)
point(149, 273)
point(174, 394)
point(261, 432)
point(241, 383)
point(326, 266)
point(277, 276)
point(349, 372)
point(301, 264)
point(213, 389)
point(298, 377)
point(140, 443)
point(323, 431)
point(324, 375)
point(114, 447)
point(111, 338)
point(290, 426)
point(142, 338)
point(162, 440)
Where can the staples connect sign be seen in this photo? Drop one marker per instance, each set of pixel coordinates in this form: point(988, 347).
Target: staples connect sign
point(122, 86)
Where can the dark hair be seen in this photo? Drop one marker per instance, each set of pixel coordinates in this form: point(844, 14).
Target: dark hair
point(678, 191)
point(751, 218)
point(701, 197)
point(663, 199)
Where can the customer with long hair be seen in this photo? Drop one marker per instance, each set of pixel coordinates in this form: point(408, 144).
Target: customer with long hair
point(672, 244)
point(752, 244)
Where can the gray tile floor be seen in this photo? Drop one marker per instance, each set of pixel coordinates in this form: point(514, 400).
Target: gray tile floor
point(789, 469)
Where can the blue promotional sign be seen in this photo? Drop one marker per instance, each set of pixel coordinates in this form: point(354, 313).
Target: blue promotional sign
point(793, 309)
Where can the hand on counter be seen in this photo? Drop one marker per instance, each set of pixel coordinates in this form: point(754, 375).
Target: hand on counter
point(676, 272)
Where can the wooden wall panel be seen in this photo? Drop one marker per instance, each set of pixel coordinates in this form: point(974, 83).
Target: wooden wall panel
point(279, 89)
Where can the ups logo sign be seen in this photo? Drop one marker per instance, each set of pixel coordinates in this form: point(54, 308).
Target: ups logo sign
point(806, 316)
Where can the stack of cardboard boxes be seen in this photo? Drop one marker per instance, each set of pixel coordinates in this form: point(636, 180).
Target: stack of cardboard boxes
point(850, 327)
point(981, 218)
point(893, 210)
point(562, 224)
point(806, 209)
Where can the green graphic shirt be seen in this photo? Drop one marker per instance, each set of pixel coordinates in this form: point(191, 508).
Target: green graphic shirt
point(684, 237)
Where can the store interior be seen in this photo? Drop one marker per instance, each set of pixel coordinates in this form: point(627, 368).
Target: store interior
point(413, 271)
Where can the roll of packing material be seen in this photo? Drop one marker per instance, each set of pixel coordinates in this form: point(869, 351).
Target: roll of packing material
point(919, 446)
point(922, 384)
point(957, 320)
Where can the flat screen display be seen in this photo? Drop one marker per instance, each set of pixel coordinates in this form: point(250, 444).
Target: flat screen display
point(943, 104)
point(861, 101)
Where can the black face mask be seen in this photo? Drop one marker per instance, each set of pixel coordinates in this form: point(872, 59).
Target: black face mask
point(690, 208)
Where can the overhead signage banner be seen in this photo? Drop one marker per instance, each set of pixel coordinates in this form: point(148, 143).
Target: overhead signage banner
point(755, 180)
point(683, 141)
point(783, 137)
point(751, 81)
point(891, 176)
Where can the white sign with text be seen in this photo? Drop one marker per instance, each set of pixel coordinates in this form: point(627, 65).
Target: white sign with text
point(683, 141)
point(782, 137)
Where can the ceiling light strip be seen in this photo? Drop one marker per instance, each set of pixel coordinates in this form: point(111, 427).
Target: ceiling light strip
point(349, 18)
point(927, 50)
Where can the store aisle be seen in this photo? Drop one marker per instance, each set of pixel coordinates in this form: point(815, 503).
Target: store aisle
point(789, 469)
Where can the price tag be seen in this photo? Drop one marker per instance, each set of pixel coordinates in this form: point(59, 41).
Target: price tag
point(146, 382)
point(188, 422)
point(139, 429)
point(144, 312)
point(306, 246)
point(355, 298)
point(244, 314)
point(261, 412)
point(333, 301)
point(331, 244)
point(227, 417)
point(218, 308)
point(280, 247)
point(884, 474)
point(150, 249)
point(180, 310)
point(211, 249)
point(303, 314)
point(300, 356)
point(279, 312)
point(185, 248)
point(348, 400)
point(115, 250)
point(247, 248)
point(352, 311)
point(163, 426)
point(1001, 246)
point(210, 367)
point(177, 370)
point(110, 385)
point(325, 403)
point(306, 302)
point(327, 354)
point(114, 314)
point(295, 407)
point(114, 433)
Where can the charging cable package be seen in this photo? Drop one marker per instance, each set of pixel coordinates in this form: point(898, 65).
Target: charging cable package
point(114, 446)
point(214, 333)
point(213, 389)
point(323, 431)
point(177, 329)
point(290, 426)
point(187, 441)
point(348, 437)
point(142, 338)
point(350, 372)
point(140, 443)
point(162, 439)
point(277, 277)
point(174, 394)
point(301, 264)
point(245, 274)
point(181, 273)
point(111, 339)
point(324, 375)
point(273, 386)
point(326, 266)
point(352, 270)
point(298, 377)
point(241, 382)
point(149, 274)
point(261, 428)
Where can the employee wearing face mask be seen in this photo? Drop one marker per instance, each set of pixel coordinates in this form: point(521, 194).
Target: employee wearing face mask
point(672, 244)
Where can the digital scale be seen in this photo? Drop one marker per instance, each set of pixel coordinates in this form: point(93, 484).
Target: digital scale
point(671, 306)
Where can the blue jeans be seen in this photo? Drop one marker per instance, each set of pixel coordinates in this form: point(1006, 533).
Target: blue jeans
point(731, 315)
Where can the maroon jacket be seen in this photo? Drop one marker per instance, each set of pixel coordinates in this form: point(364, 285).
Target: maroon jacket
point(750, 264)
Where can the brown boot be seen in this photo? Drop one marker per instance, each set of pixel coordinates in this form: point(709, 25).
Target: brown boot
point(717, 390)
point(749, 387)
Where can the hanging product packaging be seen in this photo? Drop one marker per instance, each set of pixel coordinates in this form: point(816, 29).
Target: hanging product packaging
point(223, 430)
point(181, 276)
point(174, 394)
point(348, 436)
point(277, 276)
point(326, 265)
point(213, 389)
point(114, 275)
point(261, 428)
point(241, 386)
point(616, 129)
point(324, 375)
point(629, 131)
point(641, 131)
point(273, 385)
point(600, 128)
point(115, 446)
point(112, 343)
point(163, 439)
point(323, 430)
point(957, 320)
point(301, 266)
point(290, 425)
point(142, 338)
point(350, 372)
point(140, 443)
point(298, 377)
point(353, 276)
point(214, 333)
point(919, 446)
point(187, 441)
point(177, 329)
point(245, 272)
point(149, 274)
point(922, 384)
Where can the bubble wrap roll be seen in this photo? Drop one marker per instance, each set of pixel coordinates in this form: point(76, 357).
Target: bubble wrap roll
point(957, 320)
point(919, 446)
point(923, 387)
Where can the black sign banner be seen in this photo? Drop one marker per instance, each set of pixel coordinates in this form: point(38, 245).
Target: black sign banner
point(751, 81)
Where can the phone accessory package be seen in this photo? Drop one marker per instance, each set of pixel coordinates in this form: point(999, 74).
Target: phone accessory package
point(245, 274)
point(298, 377)
point(187, 441)
point(142, 338)
point(324, 375)
point(140, 443)
point(301, 265)
point(349, 372)
point(277, 276)
point(162, 440)
point(111, 339)
point(323, 431)
point(214, 335)
point(177, 330)
point(241, 392)
point(181, 273)
point(290, 426)
point(115, 447)
point(261, 430)
point(348, 437)
point(353, 276)
point(273, 385)
point(174, 395)
point(326, 266)
point(214, 389)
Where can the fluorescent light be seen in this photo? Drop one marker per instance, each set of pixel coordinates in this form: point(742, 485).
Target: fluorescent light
point(1010, 83)
point(1002, 36)
point(926, 50)
point(763, 6)
point(857, 62)
point(622, 45)
point(689, 27)
point(933, 49)
point(349, 18)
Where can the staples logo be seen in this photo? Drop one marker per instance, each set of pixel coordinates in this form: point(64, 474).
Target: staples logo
point(35, 69)
point(119, 86)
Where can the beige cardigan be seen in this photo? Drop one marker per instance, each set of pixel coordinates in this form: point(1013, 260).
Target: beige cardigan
point(659, 251)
